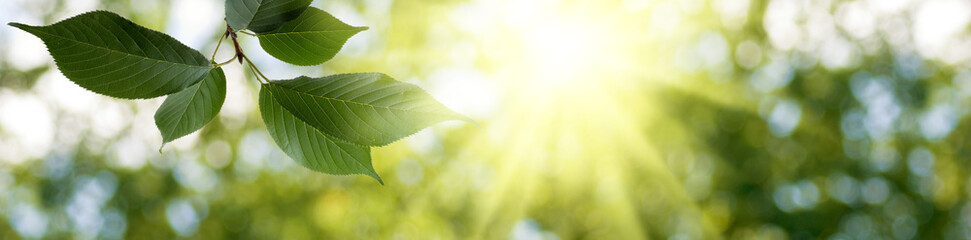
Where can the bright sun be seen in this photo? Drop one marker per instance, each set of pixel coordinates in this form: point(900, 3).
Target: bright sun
point(562, 50)
point(570, 118)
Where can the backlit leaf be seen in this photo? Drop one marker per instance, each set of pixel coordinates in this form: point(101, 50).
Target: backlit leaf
point(262, 15)
point(311, 39)
point(189, 110)
point(110, 55)
point(370, 109)
point(311, 147)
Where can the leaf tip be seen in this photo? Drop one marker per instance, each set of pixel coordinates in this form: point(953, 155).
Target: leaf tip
point(460, 117)
point(473, 122)
point(374, 174)
point(379, 179)
point(166, 138)
point(20, 26)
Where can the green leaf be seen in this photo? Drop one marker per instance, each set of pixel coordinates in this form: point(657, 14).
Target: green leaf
point(369, 109)
point(311, 39)
point(262, 15)
point(311, 147)
point(189, 110)
point(110, 55)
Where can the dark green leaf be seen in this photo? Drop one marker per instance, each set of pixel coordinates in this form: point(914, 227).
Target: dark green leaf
point(370, 109)
point(311, 39)
point(311, 147)
point(110, 55)
point(263, 15)
point(189, 110)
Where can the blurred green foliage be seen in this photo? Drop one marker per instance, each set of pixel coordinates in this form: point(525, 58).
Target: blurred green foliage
point(688, 119)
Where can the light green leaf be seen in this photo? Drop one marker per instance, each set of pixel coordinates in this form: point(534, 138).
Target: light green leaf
point(192, 108)
point(311, 39)
point(110, 55)
point(262, 15)
point(369, 109)
point(311, 147)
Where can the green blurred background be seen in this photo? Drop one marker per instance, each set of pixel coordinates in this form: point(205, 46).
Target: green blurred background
point(616, 119)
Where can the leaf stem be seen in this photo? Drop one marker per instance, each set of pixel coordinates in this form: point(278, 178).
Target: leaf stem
point(255, 74)
point(226, 62)
point(220, 43)
point(239, 54)
point(256, 70)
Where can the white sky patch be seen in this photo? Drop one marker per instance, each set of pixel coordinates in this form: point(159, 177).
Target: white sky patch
point(888, 6)
point(65, 94)
point(471, 17)
point(109, 118)
point(856, 19)
point(28, 221)
point(184, 143)
point(90, 196)
point(128, 153)
point(463, 53)
point(28, 50)
point(734, 13)
point(819, 26)
point(882, 107)
point(713, 49)
point(635, 5)
point(148, 136)
point(465, 90)
point(252, 151)
point(838, 53)
point(690, 6)
point(780, 24)
point(784, 117)
point(184, 217)
point(195, 176)
point(936, 22)
point(20, 45)
point(192, 22)
point(938, 122)
point(75, 7)
point(240, 99)
point(665, 18)
point(30, 122)
point(424, 141)
point(545, 41)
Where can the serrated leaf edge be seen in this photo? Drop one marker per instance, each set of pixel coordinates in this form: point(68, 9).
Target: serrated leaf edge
point(373, 173)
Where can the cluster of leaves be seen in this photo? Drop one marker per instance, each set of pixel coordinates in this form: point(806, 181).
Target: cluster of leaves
point(327, 124)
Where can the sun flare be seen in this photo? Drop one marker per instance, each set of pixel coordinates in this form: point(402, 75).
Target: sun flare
point(568, 99)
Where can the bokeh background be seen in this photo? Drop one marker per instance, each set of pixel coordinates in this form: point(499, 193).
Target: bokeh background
point(617, 119)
